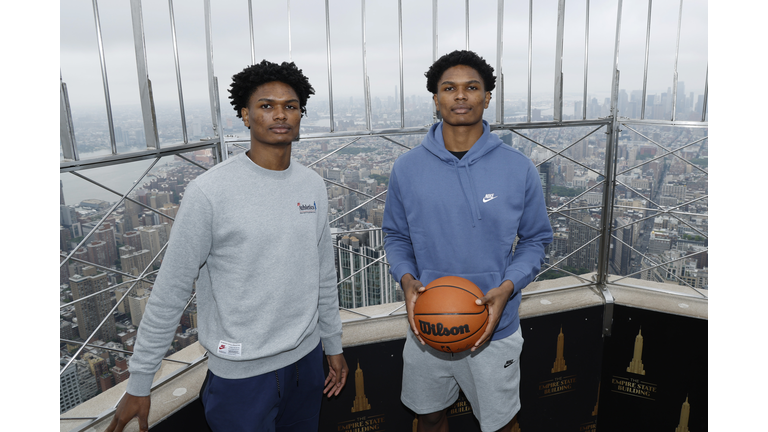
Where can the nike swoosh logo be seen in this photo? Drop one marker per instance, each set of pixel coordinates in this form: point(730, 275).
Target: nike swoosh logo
point(509, 362)
point(487, 198)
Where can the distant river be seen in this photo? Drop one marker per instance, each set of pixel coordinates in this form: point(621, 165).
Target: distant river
point(118, 177)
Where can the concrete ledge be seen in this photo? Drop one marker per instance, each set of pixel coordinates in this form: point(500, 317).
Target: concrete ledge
point(166, 399)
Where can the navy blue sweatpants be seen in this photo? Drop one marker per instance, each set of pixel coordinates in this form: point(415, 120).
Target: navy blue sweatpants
point(286, 400)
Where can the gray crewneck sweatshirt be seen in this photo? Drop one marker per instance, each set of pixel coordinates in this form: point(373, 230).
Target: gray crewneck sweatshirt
point(257, 246)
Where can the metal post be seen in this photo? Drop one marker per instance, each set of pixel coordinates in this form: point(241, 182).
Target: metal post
point(530, 53)
point(608, 187)
point(142, 71)
point(586, 63)
point(704, 103)
point(290, 57)
point(328, 53)
point(558, 108)
point(250, 26)
point(435, 115)
point(213, 86)
point(178, 74)
point(366, 88)
point(466, 22)
point(499, 56)
point(67, 130)
point(104, 80)
point(677, 55)
point(645, 68)
point(400, 39)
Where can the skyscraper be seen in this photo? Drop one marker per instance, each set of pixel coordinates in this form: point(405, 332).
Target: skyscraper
point(92, 311)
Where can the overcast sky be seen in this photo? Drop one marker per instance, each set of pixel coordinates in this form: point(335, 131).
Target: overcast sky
point(81, 70)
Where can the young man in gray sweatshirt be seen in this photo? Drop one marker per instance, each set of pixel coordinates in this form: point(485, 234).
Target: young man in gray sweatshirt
point(252, 235)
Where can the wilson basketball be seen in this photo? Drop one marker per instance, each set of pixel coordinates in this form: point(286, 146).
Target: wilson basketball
point(446, 314)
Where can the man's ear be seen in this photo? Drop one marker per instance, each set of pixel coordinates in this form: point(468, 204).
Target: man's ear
point(244, 114)
point(437, 105)
point(487, 99)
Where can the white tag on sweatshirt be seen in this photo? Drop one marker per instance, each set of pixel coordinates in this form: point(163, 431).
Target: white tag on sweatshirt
point(230, 349)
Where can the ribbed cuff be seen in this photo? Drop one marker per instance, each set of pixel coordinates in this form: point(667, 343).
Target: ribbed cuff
point(139, 384)
point(332, 346)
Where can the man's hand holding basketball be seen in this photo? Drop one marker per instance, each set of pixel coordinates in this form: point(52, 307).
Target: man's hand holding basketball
point(412, 289)
point(496, 299)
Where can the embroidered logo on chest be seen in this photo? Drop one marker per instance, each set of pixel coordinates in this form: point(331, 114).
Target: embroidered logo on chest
point(307, 208)
point(489, 197)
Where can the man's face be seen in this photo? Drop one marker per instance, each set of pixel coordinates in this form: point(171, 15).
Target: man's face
point(461, 96)
point(273, 114)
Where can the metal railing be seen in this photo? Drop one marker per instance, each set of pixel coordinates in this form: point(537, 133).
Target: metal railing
point(607, 177)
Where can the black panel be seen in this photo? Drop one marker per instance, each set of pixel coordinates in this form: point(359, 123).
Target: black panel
point(674, 359)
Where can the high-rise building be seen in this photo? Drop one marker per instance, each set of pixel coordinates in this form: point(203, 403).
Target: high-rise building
point(371, 284)
point(137, 303)
point(98, 253)
point(579, 234)
point(69, 390)
point(90, 312)
point(106, 233)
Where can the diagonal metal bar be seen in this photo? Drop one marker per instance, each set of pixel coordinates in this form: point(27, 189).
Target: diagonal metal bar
point(107, 289)
point(577, 221)
point(337, 233)
point(357, 253)
point(668, 153)
point(354, 312)
point(116, 350)
point(395, 142)
point(580, 195)
point(352, 189)
point(561, 155)
point(672, 151)
point(566, 148)
point(558, 269)
point(706, 94)
point(337, 150)
point(361, 204)
point(571, 209)
point(667, 210)
point(663, 264)
point(109, 314)
point(114, 207)
point(118, 194)
point(192, 162)
point(639, 193)
point(681, 282)
point(572, 253)
point(362, 268)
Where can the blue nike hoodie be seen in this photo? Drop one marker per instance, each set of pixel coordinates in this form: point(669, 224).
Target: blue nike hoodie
point(460, 217)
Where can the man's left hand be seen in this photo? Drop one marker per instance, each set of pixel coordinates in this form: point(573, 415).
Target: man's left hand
point(496, 299)
point(337, 374)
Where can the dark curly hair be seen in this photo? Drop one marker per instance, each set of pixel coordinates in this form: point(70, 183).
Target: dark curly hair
point(460, 57)
point(244, 83)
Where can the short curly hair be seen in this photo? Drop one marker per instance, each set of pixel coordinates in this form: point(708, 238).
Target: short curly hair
point(460, 57)
point(244, 83)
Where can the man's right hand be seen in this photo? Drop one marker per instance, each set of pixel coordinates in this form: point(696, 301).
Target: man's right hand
point(412, 289)
point(129, 407)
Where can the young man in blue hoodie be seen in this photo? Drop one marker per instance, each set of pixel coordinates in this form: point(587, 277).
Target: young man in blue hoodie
point(252, 236)
point(455, 206)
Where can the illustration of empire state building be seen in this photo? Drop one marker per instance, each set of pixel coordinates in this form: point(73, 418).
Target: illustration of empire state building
point(559, 365)
point(685, 412)
point(636, 365)
point(361, 402)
